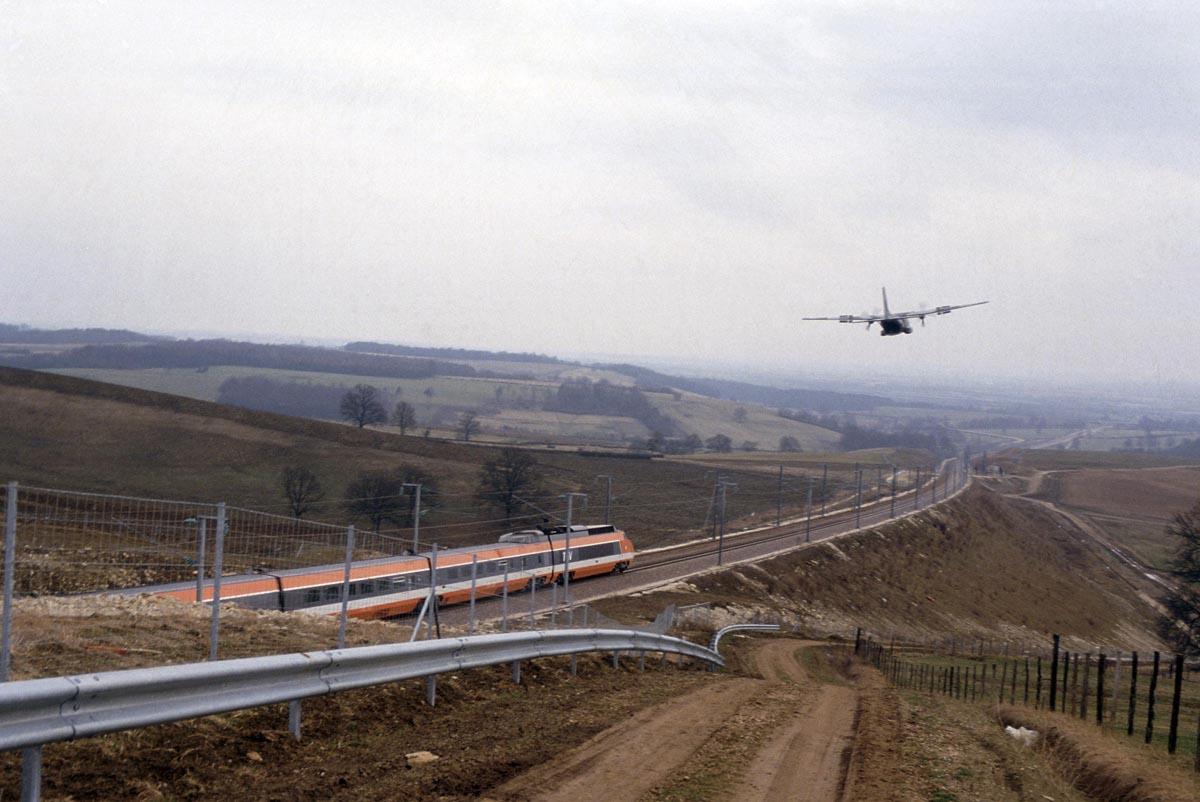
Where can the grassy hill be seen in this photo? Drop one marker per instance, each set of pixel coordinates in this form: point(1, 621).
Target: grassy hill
point(76, 434)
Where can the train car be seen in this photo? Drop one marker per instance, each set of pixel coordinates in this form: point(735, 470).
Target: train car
point(393, 586)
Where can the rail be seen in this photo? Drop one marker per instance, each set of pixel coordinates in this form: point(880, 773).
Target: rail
point(41, 711)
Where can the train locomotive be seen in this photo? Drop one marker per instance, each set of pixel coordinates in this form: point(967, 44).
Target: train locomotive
point(393, 586)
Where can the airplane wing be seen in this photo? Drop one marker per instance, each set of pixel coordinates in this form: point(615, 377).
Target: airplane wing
point(937, 310)
point(850, 318)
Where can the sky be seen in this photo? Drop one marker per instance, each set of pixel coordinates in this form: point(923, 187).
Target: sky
point(679, 181)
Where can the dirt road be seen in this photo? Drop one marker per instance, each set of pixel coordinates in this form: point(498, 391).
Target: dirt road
point(802, 755)
point(808, 757)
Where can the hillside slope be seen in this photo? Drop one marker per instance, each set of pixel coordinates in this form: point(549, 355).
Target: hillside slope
point(981, 566)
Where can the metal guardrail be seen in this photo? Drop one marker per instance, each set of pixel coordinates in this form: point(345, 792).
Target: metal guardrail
point(723, 631)
point(41, 711)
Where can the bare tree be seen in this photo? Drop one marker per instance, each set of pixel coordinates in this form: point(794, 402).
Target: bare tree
point(468, 424)
point(739, 414)
point(378, 497)
point(302, 488)
point(361, 405)
point(1180, 625)
point(404, 416)
point(504, 480)
point(789, 443)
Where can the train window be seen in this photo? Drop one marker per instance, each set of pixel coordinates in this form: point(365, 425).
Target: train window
point(368, 587)
point(332, 592)
point(312, 596)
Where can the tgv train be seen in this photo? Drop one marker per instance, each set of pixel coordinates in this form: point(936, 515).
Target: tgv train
point(393, 586)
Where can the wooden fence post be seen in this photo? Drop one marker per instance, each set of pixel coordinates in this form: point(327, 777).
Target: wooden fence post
point(1087, 671)
point(1100, 689)
point(1133, 669)
point(1027, 680)
point(1173, 734)
point(1150, 700)
point(1038, 699)
point(1053, 675)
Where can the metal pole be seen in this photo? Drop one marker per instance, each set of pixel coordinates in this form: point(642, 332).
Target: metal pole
point(779, 499)
point(607, 498)
point(567, 553)
point(10, 557)
point(294, 718)
point(721, 535)
point(214, 627)
point(31, 773)
point(201, 536)
point(533, 583)
point(504, 601)
point(893, 515)
point(417, 521)
point(432, 587)
point(858, 498)
point(824, 477)
point(474, 569)
point(812, 480)
point(345, 613)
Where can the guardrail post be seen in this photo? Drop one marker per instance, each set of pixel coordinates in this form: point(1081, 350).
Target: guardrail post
point(431, 690)
point(516, 671)
point(10, 556)
point(616, 659)
point(345, 613)
point(214, 626)
point(641, 661)
point(294, 718)
point(31, 774)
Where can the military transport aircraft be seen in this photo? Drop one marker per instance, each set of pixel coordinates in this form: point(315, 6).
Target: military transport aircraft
point(892, 323)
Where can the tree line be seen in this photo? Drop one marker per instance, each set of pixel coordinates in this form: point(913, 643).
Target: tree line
point(506, 485)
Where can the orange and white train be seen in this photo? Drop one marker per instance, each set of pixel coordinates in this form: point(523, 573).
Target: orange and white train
point(393, 586)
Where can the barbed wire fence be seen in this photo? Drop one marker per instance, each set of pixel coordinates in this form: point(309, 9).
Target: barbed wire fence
point(1151, 696)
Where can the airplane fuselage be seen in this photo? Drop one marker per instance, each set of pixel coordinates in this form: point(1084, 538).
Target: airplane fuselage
point(892, 326)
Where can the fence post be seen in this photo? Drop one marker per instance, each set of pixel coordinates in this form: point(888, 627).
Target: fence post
point(1100, 689)
point(1038, 699)
point(201, 545)
point(1026, 681)
point(1173, 734)
point(1003, 682)
point(1087, 672)
point(10, 562)
point(214, 627)
point(857, 640)
point(345, 613)
point(1066, 697)
point(1133, 669)
point(1053, 675)
point(1116, 687)
point(1150, 700)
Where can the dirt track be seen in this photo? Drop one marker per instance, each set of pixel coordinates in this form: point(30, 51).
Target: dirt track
point(807, 758)
point(803, 757)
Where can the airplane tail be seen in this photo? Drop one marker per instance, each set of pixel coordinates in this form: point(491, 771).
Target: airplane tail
point(886, 313)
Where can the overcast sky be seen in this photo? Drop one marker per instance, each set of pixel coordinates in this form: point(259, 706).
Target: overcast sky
point(670, 180)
